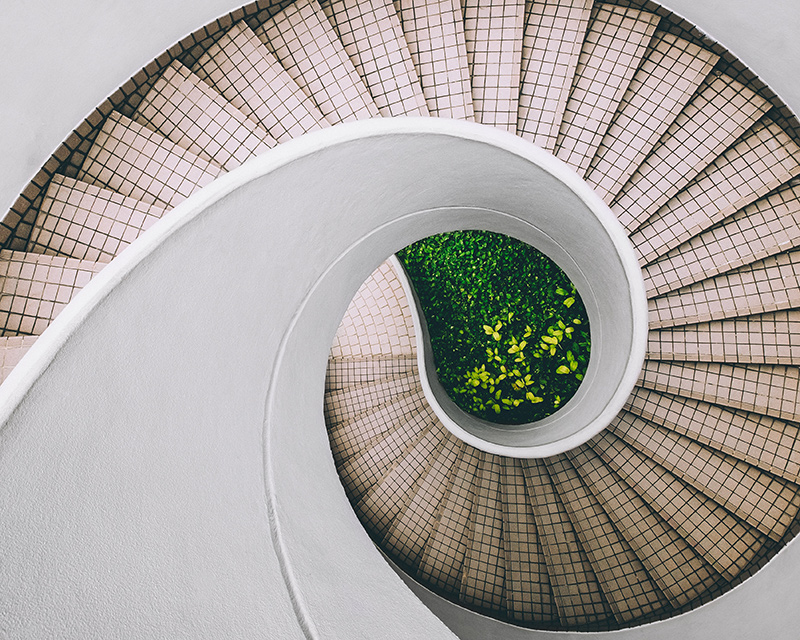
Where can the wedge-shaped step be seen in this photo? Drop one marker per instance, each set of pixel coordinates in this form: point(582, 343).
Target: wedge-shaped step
point(252, 80)
point(762, 161)
point(186, 110)
point(680, 572)
point(484, 572)
point(768, 338)
point(12, 348)
point(80, 220)
point(767, 285)
point(35, 288)
point(442, 559)
point(763, 501)
point(670, 73)
point(725, 541)
point(615, 43)
point(344, 372)
point(768, 389)
point(551, 47)
point(493, 34)
point(622, 577)
point(718, 114)
point(765, 228)
point(343, 405)
point(303, 40)
point(528, 591)
point(137, 162)
point(434, 31)
point(766, 442)
point(373, 38)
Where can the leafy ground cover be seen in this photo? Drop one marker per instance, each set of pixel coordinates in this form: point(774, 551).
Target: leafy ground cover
point(509, 332)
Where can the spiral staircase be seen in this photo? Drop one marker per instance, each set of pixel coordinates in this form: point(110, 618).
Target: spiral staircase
point(694, 486)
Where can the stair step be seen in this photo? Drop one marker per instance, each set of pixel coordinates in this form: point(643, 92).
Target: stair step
point(136, 162)
point(771, 390)
point(244, 71)
point(434, 31)
point(623, 578)
point(670, 73)
point(529, 594)
point(770, 444)
point(763, 501)
point(718, 115)
point(304, 42)
point(726, 543)
point(373, 39)
point(442, 558)
point(681, 573)
point(615, 43)
point(767, 227)
point(34, 288)
point(483, 576)
point(344, 405)
point(493, 37)
point(766, 338)
point(12, 348)
point(760, 162)
point(344, 372)
point(772, 284)
point(80, 220)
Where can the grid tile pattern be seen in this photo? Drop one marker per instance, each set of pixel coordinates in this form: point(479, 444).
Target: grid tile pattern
point(303, 40)
point(343, 405)
point(35, 288)
point(768, 389)
point(670, 73)
point(80, 220)
point(770, 444)
point(12, 348)
point(136, 162)
point(721, 111)
point(767, 227)
point(493, 33)
point(760, 162)
point(373, 38)
point(625, 582)
point(186, 110)
point(349, 371)
point(551, 47)
point(615, 43)
point(434, 31)
point(769, 338)
point(768, 285)
point(252, 80)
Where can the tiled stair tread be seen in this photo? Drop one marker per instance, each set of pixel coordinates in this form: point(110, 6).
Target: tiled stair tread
point(348, 404)
point(768, 338)
point(761, 161)
point(528, 590)
point(434, 31)
point(304, 42)
point(576, 591)
point(83, 221)
point(764, 228)
point(484, 572)
point(34, 288)
point(136, 162)
point(680, 572)
point(725, 541)
point(716, 116)
point(493, 36)
point(551, 46)
point(770, 390)
point(615, 42)
point(344, 372)
point(373, 39)
point(771, 284)
point(189, 112)
point(623, 578)
point(762, 500)
point(243, 70)
point(443, 554)
point(769, 443)
point(12, 348)
point(668, 76)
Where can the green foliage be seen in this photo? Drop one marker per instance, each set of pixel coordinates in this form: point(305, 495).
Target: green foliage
point(509, 332)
